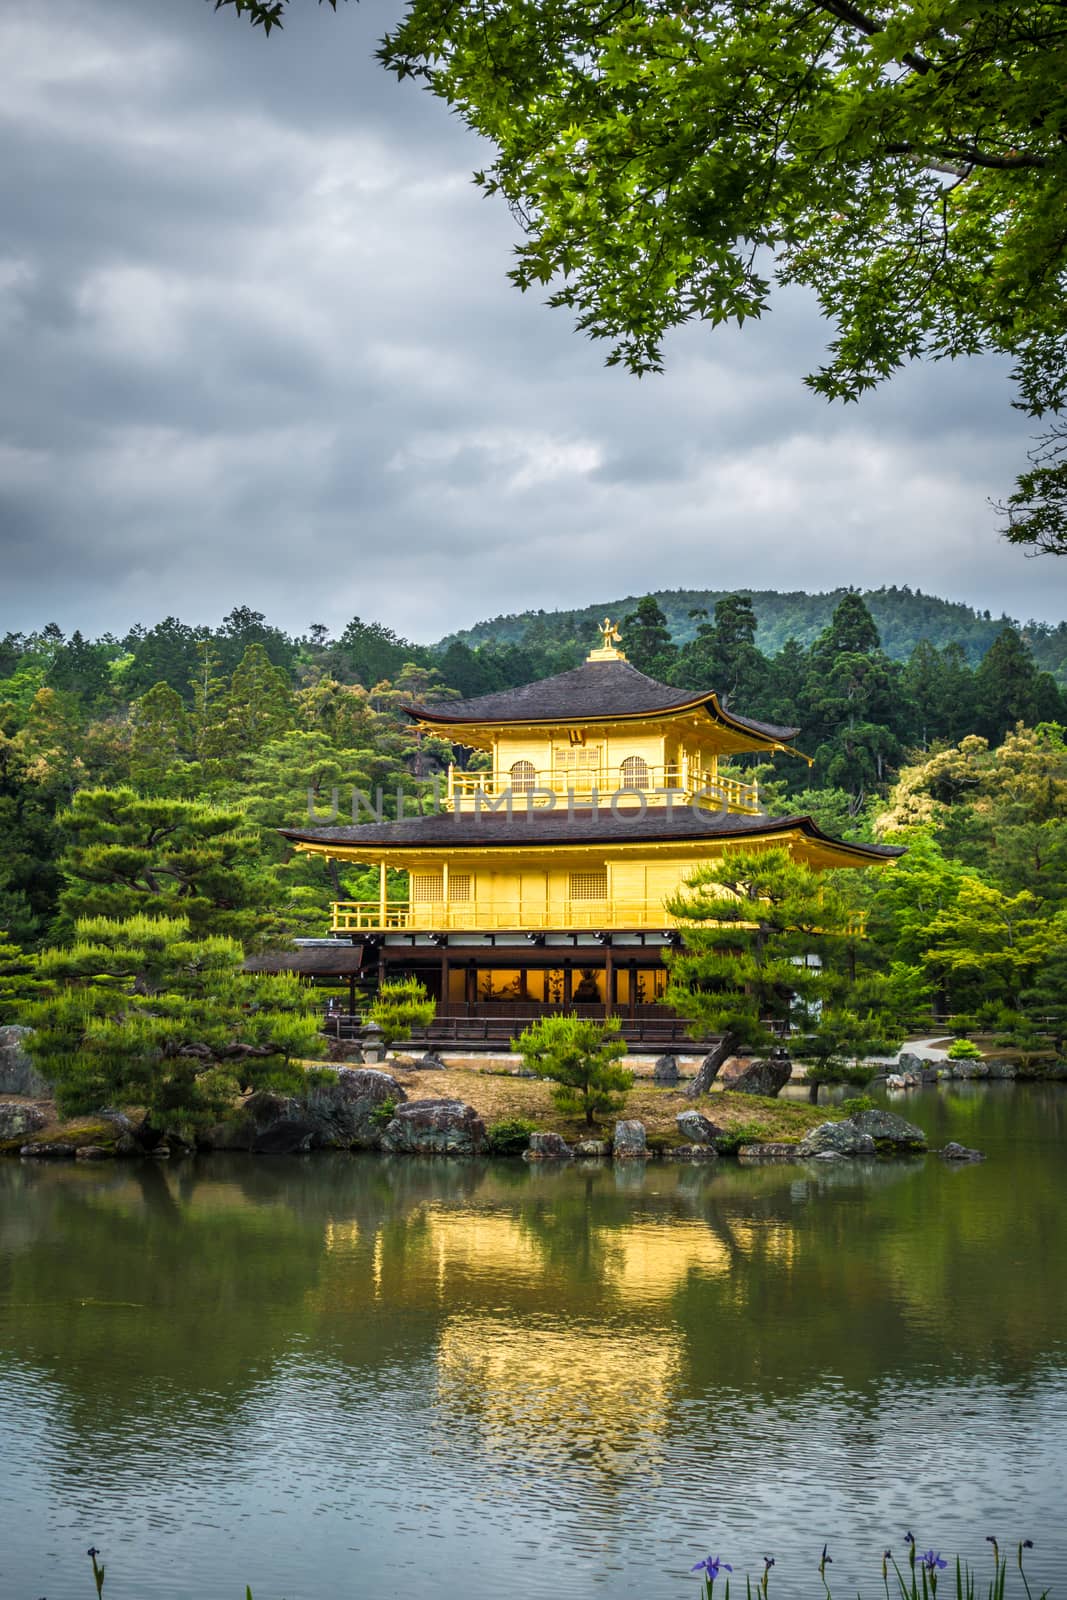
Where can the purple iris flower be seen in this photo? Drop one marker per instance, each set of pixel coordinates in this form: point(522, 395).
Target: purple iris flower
point(933, 1561)
point(710, 1567)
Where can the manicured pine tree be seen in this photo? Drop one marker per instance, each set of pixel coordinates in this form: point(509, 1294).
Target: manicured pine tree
point(127, 855)
point(580, 1056)
point(754, 920)
point(141, 1012)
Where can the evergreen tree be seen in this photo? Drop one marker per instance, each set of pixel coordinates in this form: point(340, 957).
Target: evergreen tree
point(166, 653)
point(580, 1057)
point(161, 738)
point(127, 856)
point(754, 919)
point(646, 639)
point(259, 706)
point(401, 1006)
point(1007, 688)
point(141, 1012)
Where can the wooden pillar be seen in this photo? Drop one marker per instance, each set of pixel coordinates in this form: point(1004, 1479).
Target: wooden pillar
point(351, 993)
point(567, 985)
point(609, 981)
point(382, 895)
point(470, 992)
point(632, 1004)
point(444, 974)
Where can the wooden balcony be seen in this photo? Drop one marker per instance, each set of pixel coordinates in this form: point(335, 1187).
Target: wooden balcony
point(466, 789)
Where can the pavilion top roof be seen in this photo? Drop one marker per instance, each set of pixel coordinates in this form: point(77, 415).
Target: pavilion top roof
point(597, 691)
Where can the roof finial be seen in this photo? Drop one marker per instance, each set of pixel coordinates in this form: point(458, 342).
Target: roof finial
point(609, 638)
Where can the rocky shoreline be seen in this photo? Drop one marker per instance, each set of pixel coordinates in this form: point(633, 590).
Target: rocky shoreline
point(368, 1109)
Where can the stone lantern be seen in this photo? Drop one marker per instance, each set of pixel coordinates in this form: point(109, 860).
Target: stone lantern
point(372, 1041)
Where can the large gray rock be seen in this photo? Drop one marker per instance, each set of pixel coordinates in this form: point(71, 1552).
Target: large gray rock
point(430, 1062)
point(691, 1152)
point(291, 1136)
point(261, 1113)
point(18, 1075)
point(17, 1119)
point(434, 1128)
point(766, 1077)
point(630, 1142)
point(342, 1112)
point(592, 1149)
point(666, 1070)
point(547, 1147)
point(837, 1138)
point(886, 1128)
point(697, 1128)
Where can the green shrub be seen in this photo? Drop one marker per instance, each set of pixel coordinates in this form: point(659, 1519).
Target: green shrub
point(964, 1050)
point(508, 1137)
point(383, 1114)
point(857, 1103)
point(741, 1133)
point(401, 1006)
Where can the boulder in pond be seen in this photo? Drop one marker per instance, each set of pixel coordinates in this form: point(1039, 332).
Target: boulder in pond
point(343, 1111)
point(57, 1150)
point(758, 1076)
point(696, 1128)
point(959, 1152)
point(630, 1142)
point(18, 1075)
point(547, 1147)
point(434, 1128)
point(19, 1118)
point(889, 1131)
point(592, 1149)
point(837, 1138)
point(691, 1152)
point(666, 1070)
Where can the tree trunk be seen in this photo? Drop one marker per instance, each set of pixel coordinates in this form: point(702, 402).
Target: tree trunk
point(709, 1067)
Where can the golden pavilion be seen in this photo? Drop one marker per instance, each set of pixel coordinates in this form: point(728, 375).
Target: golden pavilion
point(540, 882)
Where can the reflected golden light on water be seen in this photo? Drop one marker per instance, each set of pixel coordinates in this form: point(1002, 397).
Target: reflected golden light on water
point(572, 1389)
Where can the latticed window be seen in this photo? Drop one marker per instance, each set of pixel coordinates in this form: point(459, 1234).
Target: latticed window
point(523, 777)
point(459, 885)
point(634, 772)
point(427, 886)
point(591, 885)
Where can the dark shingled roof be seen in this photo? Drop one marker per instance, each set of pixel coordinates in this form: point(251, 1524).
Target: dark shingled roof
point(595, 690)
point(656, 824)
point(338, 959)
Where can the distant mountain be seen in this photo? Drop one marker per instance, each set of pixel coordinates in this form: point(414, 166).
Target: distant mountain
point(903, 615)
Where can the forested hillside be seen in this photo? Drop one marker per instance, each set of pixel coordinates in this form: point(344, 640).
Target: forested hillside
point(146, 775)
point(903, 617)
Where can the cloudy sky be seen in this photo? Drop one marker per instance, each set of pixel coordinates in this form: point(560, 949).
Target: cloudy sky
point(258, 347)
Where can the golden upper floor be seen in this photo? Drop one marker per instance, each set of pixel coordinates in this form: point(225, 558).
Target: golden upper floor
point(596, 731)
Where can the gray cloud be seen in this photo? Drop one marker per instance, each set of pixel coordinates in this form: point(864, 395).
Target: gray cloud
point(259, 347)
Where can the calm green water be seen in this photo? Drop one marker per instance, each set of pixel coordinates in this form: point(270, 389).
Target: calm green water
point(334, 1376)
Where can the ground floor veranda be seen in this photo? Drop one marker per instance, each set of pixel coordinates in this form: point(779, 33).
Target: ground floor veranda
point(488, 986)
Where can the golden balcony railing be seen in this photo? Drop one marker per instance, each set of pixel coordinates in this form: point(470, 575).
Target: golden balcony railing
point(467, 916)
point(542, 789)
point(438, 916)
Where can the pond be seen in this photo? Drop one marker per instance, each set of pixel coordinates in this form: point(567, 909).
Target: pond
point(337, 1376)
